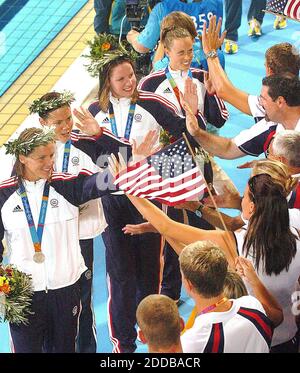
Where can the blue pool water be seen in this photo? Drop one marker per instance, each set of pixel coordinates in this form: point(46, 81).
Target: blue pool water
point(26, 28)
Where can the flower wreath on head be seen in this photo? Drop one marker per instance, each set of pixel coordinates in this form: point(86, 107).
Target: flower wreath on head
point(15, 295)
point(41, 105)
point(25, 147)
point(104, 48)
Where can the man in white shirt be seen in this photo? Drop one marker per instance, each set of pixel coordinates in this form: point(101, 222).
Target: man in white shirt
point(222, 325)
point(280, 98)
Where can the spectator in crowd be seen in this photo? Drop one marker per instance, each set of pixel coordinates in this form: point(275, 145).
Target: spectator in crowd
point(282, 58)
point(280, 97)
point(222, 324)
point(160, 324)
point(275, 255)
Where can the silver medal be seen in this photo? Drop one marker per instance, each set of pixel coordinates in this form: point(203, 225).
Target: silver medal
point(39, 257)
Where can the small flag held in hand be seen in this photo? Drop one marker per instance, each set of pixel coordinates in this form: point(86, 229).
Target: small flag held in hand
point(169, 176)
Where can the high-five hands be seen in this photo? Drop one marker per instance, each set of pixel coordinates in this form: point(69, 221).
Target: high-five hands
point(210, 35)
point(149, 145)
point(190, 118)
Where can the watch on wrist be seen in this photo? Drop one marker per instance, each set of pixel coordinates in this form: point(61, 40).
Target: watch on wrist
point(211, 54)
point(198, 212)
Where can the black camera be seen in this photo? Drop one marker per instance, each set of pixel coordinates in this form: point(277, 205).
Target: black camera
point(135, 10)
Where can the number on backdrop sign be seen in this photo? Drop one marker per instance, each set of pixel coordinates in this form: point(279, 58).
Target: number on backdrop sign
point(200, 21)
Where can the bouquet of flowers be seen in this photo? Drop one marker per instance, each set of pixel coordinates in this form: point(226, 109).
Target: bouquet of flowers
point(165, 138)
point(15, 295)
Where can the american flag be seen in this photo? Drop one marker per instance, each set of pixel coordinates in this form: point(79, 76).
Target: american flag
point(169, 176)
point(289, 8)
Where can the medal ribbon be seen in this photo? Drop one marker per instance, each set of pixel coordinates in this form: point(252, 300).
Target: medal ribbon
point(174, 85)
point(191, 320)
point(36, 235)
point(66, 156)
point(128, 123)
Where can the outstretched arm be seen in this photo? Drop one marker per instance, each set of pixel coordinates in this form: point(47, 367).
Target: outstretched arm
point(181, 233)
point(215, 145)
point(224, 88)
point(212, 216)
point(132, 38)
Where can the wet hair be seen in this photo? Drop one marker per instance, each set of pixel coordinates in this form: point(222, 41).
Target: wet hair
point(269, 239)
point(44, 114)
point(283, 57)
point(204, 264)
point(28, 136)
point(158, 318)
point(104, 81)
point(168, 35)
point(283, 85)
point(178, 19)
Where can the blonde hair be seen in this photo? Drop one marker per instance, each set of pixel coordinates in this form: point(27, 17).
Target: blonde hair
point(158, 318)
point(34, 137)
point(204, 264)
point(279, 173)
point(179, 19)
point(234, 286)
point(173, 33)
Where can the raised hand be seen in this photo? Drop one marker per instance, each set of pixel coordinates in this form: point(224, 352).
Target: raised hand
point(250, 164)
point(190, 95)
point(227, 199)
point(116, 166)
point(190, 118)
point(245, 269)
point(87, 123)
point(149, 145)
point(210, 35)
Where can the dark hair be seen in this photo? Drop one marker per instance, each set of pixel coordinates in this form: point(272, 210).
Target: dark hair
point(104, 81)
point(283, 57)
point(269, 238)
point(283, 85)
point(49, 97)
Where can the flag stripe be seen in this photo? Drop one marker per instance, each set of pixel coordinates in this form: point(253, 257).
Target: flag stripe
point(150, 171)
point(194, 183)
point(169, 176)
